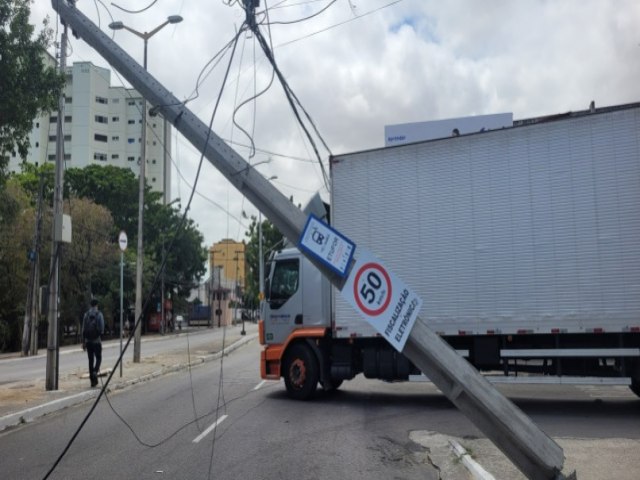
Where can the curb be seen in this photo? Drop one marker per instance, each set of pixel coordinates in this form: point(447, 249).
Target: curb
point(33, 413)
point(474, 468)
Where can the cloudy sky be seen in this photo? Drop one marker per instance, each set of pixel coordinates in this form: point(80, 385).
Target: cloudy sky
point(361, 65)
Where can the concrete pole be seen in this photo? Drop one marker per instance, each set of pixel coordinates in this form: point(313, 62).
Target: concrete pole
point(137, 339)
point(54, 277)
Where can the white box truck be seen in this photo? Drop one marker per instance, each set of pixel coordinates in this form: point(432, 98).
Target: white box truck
point(523, 243)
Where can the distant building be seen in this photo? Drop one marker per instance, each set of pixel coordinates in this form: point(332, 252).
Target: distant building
point(102, 125)
point(227, 263)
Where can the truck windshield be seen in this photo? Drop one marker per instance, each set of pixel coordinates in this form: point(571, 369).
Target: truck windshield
point(284, 282)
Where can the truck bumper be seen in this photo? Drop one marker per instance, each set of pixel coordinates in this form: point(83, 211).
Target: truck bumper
point(270, 358)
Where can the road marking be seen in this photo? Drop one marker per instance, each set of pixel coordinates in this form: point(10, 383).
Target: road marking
point(260, 385)
point(210, 429)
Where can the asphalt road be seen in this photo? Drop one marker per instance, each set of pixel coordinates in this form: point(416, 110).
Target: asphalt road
point(73, 358)
point(362, 431)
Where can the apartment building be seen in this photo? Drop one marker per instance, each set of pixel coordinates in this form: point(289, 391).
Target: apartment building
point(102, 125)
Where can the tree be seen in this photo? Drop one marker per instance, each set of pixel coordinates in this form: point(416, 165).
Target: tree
point(117, 189)
point(16, 231)
point(113, 187)
point(90, 263)
point(27, 86)
point(272, 240)
point(95, 197)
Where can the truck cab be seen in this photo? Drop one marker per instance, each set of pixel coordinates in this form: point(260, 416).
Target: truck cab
point(299, 334)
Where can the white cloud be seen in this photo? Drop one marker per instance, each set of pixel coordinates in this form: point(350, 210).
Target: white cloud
point(415, 60)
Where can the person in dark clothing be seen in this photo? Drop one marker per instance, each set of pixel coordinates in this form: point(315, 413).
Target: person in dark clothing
point(92, 330)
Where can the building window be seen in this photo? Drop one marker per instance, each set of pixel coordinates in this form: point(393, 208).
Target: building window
point(100, 156)
point(68, 118)
point(130, 140)
point(99, 138)
point(101, 119)
point(131, 159)
point(37, 144)
point(154, 125)
point(52, 138)
point(53, 119)
point(68, 99)
point(131, 102)
point(153, 179)
point(153, 161)
point(101, 100)
point(67, 156)
point(115, 139)
point(154, 142)
point(37, 124)
point(115, 156)
point(115, 119)
point(67, 138)
point(51, 157)
point(131, 122)
point(140, 121)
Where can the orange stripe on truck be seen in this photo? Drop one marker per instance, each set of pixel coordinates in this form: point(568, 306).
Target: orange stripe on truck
point(271, 355)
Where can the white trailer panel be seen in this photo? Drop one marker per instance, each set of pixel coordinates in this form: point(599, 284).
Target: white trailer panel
point(533, 228)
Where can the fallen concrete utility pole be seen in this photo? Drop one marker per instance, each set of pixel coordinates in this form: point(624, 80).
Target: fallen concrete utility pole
point(528, 447)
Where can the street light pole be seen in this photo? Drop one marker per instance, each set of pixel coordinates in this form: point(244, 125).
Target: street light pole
point(143, 151)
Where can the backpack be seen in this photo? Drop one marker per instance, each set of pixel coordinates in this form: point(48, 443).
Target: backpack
point(91, 331)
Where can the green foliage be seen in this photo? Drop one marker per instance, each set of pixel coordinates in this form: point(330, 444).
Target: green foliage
point(117, 189)
point(101, 201)
point(272, 240)
point(16, 231)
point(90, 264)
point(114, 188)
point(27, 86)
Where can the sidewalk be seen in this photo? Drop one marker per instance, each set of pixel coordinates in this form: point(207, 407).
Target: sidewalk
point(27, 400)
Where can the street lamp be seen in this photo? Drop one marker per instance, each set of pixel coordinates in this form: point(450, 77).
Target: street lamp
point(145, 36)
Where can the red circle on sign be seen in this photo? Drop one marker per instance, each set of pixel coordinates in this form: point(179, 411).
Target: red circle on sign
point(356, 292)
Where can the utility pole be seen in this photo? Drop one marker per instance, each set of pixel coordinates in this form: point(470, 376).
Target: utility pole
point(32, 309)
point(56, 246)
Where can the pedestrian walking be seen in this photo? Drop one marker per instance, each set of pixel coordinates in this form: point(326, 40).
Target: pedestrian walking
point(92, 330)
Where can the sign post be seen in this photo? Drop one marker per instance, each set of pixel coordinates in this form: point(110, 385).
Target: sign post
point(122, 242)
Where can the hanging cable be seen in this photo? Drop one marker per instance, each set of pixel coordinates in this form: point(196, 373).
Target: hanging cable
point(136, 11)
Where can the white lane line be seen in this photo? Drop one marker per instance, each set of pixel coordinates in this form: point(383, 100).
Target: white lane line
point(260, 385)
point(210, 429)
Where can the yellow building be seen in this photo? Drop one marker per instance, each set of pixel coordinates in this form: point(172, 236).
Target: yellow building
point(227, 264)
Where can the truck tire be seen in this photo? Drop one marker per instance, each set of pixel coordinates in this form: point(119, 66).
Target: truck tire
point(301, 372)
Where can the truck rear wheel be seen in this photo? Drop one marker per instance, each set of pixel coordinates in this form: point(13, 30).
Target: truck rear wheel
point(301, 372)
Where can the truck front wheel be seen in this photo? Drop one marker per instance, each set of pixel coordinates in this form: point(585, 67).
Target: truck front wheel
point(301, 372)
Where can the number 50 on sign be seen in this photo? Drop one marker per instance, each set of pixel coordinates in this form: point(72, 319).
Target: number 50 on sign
point(384, 300)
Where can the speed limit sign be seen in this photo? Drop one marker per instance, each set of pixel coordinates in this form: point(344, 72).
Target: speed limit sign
point(384, 300)
point(372, 289)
